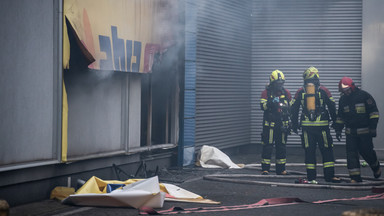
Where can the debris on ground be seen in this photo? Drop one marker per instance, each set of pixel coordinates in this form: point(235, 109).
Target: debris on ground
point(60, 193)
point(4, 208)
point(134, 193)
point(212, 157)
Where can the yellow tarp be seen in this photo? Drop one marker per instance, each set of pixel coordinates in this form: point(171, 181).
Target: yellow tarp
point(61, 193)
point(138, 194)
point(96, 185)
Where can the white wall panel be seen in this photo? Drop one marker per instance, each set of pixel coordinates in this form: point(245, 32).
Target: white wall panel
point(29, 85)
point(372, 59)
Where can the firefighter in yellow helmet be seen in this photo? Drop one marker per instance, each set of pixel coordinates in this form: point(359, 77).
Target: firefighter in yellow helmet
point(317, 105)
point(275, 102)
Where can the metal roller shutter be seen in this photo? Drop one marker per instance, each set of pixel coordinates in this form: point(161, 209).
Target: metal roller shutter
point(223, 68)
point(292, 35)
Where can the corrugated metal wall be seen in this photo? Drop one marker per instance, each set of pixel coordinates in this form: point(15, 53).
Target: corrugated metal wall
point(292, 35)
point(223, 51)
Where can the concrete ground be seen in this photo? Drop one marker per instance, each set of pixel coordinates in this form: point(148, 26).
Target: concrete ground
point(241, 198)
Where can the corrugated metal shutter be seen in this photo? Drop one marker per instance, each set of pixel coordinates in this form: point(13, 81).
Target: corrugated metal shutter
point(223, 69)
point(292, 35)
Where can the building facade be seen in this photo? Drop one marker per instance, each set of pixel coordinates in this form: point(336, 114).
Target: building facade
point(80, 99)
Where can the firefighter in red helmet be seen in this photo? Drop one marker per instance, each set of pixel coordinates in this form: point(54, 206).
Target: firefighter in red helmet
point(359, 114)
point(317, 105)
point(275, 102)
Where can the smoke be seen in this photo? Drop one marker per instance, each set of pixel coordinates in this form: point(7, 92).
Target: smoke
point(169, 27)
point(103, 74)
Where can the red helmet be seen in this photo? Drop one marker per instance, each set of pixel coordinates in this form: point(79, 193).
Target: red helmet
point(346, 82)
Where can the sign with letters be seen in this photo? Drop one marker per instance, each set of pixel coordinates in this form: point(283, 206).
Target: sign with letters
point(119, 35)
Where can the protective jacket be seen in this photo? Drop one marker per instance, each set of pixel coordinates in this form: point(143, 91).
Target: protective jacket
point(276, 107)
point(323, 100)
point(358, 112)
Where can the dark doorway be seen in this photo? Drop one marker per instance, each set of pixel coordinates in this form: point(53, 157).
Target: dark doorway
point(159, 101)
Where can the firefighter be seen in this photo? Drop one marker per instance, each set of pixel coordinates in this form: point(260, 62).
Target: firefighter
point(317, 106)
point(359, 113)
point(275, 102)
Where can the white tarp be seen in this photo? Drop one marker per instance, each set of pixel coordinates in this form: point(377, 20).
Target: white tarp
point(211, 157)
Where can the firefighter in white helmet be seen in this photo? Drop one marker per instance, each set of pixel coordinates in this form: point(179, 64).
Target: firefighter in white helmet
point(317, 105)
point(275, 102)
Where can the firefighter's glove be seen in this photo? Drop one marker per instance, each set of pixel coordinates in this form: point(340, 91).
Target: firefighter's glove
point(273, 104)
point(373, 132)
point(338, 135)
point(276, 100)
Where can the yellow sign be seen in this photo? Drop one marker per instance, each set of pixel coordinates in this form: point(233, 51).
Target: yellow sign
point(119, 35)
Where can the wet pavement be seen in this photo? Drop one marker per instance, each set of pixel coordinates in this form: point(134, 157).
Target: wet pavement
point(240, 198)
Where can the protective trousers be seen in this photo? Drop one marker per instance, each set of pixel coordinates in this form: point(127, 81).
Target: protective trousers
point(363, 145)
point(273, 136)
point(321, 137)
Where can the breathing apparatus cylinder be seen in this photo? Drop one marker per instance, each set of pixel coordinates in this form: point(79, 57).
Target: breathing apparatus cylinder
point(311, 101)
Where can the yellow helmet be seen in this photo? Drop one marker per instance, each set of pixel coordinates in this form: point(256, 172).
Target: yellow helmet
point(276, 75)
point(310, 73)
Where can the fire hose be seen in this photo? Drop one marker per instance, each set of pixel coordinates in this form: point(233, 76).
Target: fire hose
point(368, 184)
